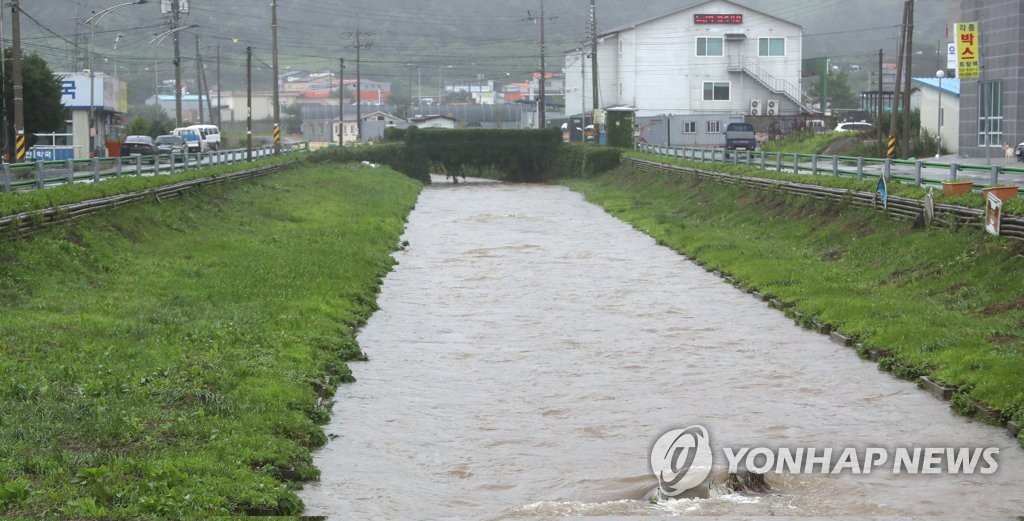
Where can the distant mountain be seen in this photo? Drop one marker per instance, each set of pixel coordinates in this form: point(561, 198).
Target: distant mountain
point(418, 41)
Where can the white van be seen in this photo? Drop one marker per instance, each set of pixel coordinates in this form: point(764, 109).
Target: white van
point(193, 139)
point(210, 135)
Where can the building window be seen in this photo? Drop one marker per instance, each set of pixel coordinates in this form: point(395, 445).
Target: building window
point(716, 91)
point(990, 115)
point(710, 46)
point(689, 127)
point(714, 127)
point(771, 46)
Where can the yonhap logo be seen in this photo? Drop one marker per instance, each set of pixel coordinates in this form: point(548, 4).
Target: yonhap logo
point(681, 459)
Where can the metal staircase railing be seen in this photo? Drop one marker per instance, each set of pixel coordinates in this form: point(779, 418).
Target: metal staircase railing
point(750, 67)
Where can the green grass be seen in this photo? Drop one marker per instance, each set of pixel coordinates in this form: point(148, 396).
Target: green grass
point(178, 359)
point(805, 142)
point(946, 303)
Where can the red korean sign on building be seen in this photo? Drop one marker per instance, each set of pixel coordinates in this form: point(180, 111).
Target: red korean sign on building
point(968, 50)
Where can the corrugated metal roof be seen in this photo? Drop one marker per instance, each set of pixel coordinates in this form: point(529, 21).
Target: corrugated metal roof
point(949, 85)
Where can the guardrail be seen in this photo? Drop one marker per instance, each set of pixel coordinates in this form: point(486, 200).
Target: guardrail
point(898, 208)
point(914, 171)
point(42, 174)
point(28, 222)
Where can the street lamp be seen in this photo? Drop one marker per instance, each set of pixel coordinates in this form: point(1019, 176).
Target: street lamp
point(440, 87)
point(92, 21)
point(938, 119)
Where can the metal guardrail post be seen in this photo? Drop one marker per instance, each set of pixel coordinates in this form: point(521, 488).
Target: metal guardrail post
point(953, 167)
point(778, 161)
point(814, 164)
point(69, 176)
point(835, 166)
point(796, 163)
point(95, 169)
point(138, 165)
point(764, 161)
point(5, 183)
point(860, 168)
point(174, 162)
point(118, 166)
point(918, 165)
point(994, 180)
point(887, 169)
point(40, 180)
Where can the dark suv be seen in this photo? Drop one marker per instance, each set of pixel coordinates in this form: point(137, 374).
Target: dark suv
point(138, 145)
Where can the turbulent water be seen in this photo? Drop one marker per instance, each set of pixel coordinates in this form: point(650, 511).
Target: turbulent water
point(530, 349)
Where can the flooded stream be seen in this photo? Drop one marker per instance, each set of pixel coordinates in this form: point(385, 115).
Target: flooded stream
point(530, 349)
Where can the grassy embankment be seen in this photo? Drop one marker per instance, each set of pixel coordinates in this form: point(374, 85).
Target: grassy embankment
point(177, 359)
point(948, 304)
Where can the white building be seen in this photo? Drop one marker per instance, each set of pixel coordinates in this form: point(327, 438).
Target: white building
point(715, 58)
point(935, 104)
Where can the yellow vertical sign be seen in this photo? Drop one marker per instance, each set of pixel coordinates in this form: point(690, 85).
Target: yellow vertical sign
point(968, 50)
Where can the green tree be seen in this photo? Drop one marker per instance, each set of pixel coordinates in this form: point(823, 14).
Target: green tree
point(840, 94)
point(148, 120)
point(42, 92)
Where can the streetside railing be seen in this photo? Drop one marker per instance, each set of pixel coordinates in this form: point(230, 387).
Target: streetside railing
point(899, 208)
point(913, 171)
point(43, 174)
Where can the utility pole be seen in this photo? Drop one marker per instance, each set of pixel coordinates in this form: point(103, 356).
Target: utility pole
point(541, 98)
point(277, 78)
point(341, 102)
point(199, 81)
point(881, 94)
point(359, 89)
point(409, 106)
point(593, 69)
point(19, 96)
point(175, 20)
point(206, 90)
point(248, 103)
point(891, 145)
point(219, 122)
point(906, 79)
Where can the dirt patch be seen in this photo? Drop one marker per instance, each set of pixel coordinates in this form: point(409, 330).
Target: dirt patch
point(1003, 339)
point(952, 290)
point(76, 239)
point(996, 309)
point(833, 255)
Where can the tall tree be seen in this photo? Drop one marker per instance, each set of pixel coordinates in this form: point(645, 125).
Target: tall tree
point(43, 109)
point(148, 120)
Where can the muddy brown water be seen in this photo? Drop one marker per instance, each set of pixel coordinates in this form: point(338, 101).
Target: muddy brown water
point(530, 349)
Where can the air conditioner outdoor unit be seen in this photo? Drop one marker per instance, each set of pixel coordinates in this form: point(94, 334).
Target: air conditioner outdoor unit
point(755, 107)
point(772, 109)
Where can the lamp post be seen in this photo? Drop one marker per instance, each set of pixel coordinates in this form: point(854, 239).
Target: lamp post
point(177, 66)
point(440, 87)
point(92, 21)
point(938, 118)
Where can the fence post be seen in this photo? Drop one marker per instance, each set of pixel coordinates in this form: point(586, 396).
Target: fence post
point(835, 166)
point(994, 180)
point(814, 164)
point(953, 167)
point(887, 169)
point(69, 176)
point(7, 177)
point(138, 164)
point(95, 169)
point(860, 168)
point(40, 181)
point(117, 166)
point(778, 161)
point(917, 172)
point(796, 163)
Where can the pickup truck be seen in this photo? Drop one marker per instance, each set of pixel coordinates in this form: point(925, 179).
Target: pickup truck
point(740, 136)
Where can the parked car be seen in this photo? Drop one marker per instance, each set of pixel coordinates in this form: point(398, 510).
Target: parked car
point(139, 146)
point(169, 145)
point(740, 136)
point(854, 126)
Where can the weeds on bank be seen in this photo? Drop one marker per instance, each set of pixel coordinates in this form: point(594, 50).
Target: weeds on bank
point(945, 303)
point(177, 360)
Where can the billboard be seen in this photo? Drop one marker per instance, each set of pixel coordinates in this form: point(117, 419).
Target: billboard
point(968, 50)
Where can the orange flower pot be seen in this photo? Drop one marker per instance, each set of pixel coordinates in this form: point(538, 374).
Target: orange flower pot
point(1004, 193)
point(953, 188)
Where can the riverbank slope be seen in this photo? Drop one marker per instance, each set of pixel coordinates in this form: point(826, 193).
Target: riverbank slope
point(948, 304)
point(177, 359)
